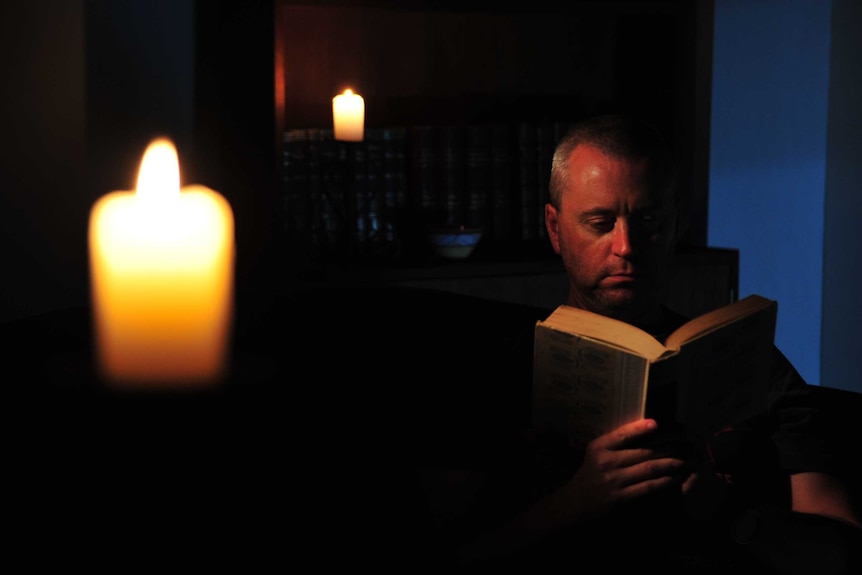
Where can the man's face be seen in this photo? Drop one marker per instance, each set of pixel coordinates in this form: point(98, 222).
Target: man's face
point(615, 236)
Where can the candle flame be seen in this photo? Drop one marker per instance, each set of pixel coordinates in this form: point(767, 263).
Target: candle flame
point(159, 176)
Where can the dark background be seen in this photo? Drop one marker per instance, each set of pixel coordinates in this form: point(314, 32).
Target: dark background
point(89, 82)
point(86, 85)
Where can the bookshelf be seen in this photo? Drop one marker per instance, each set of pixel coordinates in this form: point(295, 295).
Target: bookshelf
point(436, 71)
point(437, 64)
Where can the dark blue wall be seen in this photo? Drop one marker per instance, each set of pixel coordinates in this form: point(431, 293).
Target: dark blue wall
point(768, 158)
point(841, 355)
point(785, 170)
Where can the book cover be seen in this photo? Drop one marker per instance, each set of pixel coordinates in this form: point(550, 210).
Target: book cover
point(592, 373)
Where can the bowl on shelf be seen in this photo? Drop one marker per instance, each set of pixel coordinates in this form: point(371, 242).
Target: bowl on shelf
point(455, 243)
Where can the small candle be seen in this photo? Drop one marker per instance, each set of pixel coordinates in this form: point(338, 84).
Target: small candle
point(161, 272)
point(348, 116)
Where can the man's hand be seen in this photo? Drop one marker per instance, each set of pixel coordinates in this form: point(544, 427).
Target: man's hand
point(621, 466)
point(628, 463)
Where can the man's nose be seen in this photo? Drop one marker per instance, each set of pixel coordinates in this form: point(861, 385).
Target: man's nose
point(622, 238)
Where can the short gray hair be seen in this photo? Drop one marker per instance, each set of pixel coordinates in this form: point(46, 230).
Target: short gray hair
point(619, 136)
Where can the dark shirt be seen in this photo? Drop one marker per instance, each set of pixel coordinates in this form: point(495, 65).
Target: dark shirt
point(751, 460)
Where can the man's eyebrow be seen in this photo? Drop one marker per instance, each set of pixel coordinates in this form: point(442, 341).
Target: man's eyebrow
point(597, 212)
point(603, 212)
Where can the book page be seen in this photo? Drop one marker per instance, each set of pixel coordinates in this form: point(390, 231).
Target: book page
point(712, 320)
point(728, 373)
point(596, 326)
point(582, 387)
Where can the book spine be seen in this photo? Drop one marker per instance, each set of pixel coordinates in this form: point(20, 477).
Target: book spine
point(316, 198)
point(395, 187)
point(383, 194)
point(426, 169)
point(361, 205)
point(296, 195)
point(335, 204)
point(375, 239)
point(503, 176)
point(528, 180)
point(454, 167)
point(479, 178)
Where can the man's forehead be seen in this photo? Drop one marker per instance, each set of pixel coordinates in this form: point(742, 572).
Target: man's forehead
point(619, 206)
point(599, 180)
point(609, 194)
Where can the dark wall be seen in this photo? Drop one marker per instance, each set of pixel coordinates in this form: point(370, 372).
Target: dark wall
point(841, 362)
point(43, 208)
point(235, 131)
point(140, 84)
point(87, 84)
point(201, 73)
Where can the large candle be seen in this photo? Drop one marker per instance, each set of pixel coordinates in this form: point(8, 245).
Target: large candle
point(348, 116)
point(161, 272)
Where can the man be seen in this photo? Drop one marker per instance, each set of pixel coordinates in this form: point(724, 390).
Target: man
point(613, 217)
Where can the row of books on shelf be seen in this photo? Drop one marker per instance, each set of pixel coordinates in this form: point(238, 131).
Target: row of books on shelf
point(378, 199)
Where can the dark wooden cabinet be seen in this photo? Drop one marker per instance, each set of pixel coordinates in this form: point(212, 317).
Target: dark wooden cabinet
point(700, 279)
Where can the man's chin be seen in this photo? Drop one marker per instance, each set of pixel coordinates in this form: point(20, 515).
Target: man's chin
point(619, 298)
point(622, 304)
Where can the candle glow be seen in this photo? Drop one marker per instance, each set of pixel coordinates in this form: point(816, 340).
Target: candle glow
point(161, 271)
point(348, 116)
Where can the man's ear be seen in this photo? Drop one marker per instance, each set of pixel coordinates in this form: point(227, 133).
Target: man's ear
point(552, 225)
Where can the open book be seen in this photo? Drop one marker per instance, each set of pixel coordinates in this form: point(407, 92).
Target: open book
point(592, 373)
